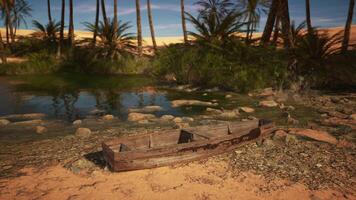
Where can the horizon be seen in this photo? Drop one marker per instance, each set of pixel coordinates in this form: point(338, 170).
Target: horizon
point(166, 14)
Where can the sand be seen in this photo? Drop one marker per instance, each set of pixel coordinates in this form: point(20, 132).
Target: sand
point(174, 39)
point(208, 179)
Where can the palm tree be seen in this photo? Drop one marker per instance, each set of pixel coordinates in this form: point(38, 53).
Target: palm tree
point(286, 25)
point(271, 21)
point(49, 10)
point(95, 32)
point(218, 8)
point(212, 32)
point(2, 50)
point(103, 9)
point(115, 13)
point(139, 28)
point(307, 11)
point(345, 42)
point(6, 7)
point(47, 32)
point(61, 34)
point(20, 11)
point(252, 10)
point(150, 20)
point(71, 24)
point(113, 42)
point(184, 26)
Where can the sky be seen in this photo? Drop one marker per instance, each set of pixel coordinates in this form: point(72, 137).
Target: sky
point(166, 13)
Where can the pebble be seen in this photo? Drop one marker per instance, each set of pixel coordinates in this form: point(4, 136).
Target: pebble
point(41, 129)
point(77, 122)
point(4, 122)
point(108, 117)
point(83, 132)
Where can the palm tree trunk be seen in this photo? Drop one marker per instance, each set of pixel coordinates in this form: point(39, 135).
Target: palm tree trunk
point(276, 30)
point(286, 29)
point(267, 32)
point(139, 28)
point(103, 9)
point(345, 42)
point(115, 18)
point(7, 31)
point(307, 11)
point(2, 50)
point(150, 20)
point(61, 34)
point(96, 22)
point(49, 10)
point(184, 26)
point(71, 24)
point(8, 22)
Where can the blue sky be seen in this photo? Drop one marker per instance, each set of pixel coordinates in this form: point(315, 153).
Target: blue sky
point(325, 13)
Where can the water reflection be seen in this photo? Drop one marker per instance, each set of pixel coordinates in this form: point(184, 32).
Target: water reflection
point(71, 101)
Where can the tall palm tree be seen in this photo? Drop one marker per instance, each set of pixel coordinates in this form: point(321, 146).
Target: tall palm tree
point(49, 10)
point(252, 10)
point(47, 32)
point(71, 23)
point(345, 42)
point(7, 4)
point(150, 20)
point(184, 26)
point(139, 28)
point(103, 9)
point(271, 21)
point(286, 25)
point(307, 11)
point(2, 50)
point(20, 12)
point(115, 16)
point(61, 30)
point(95, 32)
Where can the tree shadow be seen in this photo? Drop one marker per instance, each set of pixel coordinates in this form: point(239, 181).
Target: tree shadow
point(96, 158)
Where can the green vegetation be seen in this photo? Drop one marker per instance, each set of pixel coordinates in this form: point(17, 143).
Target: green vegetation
point(221, 53)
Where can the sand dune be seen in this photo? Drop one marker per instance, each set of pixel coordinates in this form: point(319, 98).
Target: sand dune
point(174, 39)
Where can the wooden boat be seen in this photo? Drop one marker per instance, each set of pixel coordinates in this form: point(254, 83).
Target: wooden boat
point(176, 146)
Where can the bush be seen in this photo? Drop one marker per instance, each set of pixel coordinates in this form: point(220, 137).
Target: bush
point(234, 67)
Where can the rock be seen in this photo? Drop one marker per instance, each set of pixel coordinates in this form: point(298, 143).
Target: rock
point(279, 134)
point(214, 111)
point(268, 143)
point(146, 109)
point(145, 121)
point(318, 165)
point(344, 144)
point(252, 118)
point(170, 77)
point(324, 115)
point(41, 129)
point(25, 116)
point(337, 114)
point(181, 125)
point(177, 120)
point(228, 96)
point(108, 117)
point(205, 94)
point(83, 132)
point(167, 117)
point(187, 119)
point(353, 116)
point(134, 117)
point(266, 92)
point(268, 103)
point(77, 122)
point(314, 134)
point(334, 121)
point(238, 152)
point(179, 103)
point(229, 114)
point(97, 112)
point(247, 109)
point(215, 89)
point(291, 139)
point(81, 164)
point(291, 120)
point(4, 122)
point(28, 123)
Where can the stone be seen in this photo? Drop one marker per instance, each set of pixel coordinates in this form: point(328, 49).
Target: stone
point(214, 111)
point(266, 92)
point(314, 134)
point(252, 118)
point(178, 120)
point(228, 96)
point(279, 134)
point(268, 103)
point(247, 109)
point(187, 119)
point(41, 129)
point(4, 122)
point(238, 152)
point(134, 117)
point(268, 143)
point(167, 117)
point(108, 117)
point(353, 116)
point(25, 116)
point(205, 94)
point(292, 121)
point(28, 123)
point(97, 112)
point(83, 132)
point(181, 125)
point(179, 103)
point(145, 121)
point(146, 109)
point(229, 114)
point(77, 122)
